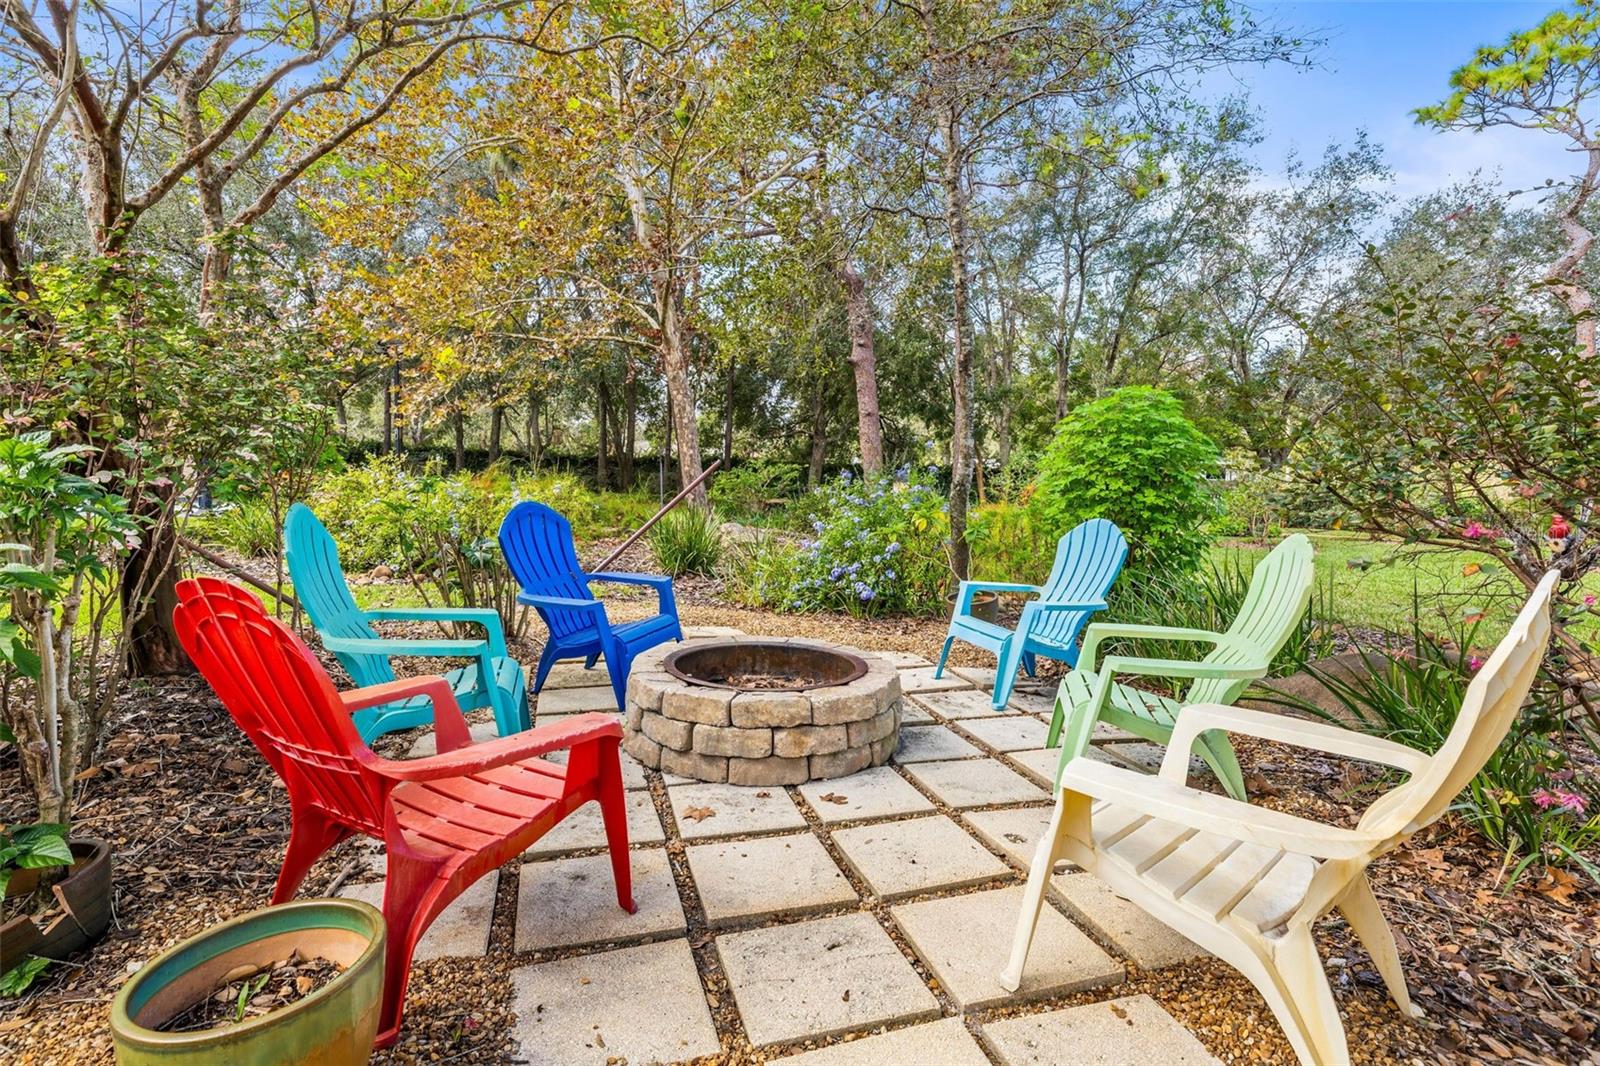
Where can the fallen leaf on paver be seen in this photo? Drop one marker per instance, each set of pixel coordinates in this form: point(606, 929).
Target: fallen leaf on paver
point(1016, 838)
point(763, 794)
point(699, 814)
point(834, 797)
point(1118, 1011)
point(846, 996)
point(583, 980)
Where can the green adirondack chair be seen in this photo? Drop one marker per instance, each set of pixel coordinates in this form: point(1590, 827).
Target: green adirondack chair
point(1279, 592)
point(492, 679)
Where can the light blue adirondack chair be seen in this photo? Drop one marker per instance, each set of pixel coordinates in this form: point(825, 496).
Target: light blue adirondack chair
point(494, 679)
point(537, 543)
point(1088, 559)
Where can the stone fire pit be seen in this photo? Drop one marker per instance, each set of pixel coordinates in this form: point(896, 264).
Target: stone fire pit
point(761, 710)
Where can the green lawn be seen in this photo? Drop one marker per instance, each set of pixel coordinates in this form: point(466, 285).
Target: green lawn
point(1381, 593)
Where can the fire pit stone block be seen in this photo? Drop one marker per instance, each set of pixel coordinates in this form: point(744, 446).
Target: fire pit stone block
point(714, 726)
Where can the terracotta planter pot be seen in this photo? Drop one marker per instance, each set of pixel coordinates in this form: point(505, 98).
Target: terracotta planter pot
point(985, 606)
point(85, 899)
point(334, 1026)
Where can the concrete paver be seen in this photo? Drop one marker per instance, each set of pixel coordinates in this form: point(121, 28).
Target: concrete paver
point(821, 977)
point(966, 940)
point(636, 1004)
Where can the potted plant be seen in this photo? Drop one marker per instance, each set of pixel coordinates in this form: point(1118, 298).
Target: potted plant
point(295, 983)
point(42, 920)
point(59, 532)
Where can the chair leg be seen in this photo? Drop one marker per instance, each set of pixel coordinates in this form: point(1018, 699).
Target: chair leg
point(1030, 664)
point(411, 900)
point(1297, 991)
point(1218, 754)
point(617, 663)
point(1005, 670)
point(614, 813)
point(547, 659)
point(1044, 861)
point(310, 835)
point(589, 661)
point(1360, 909)
point(938, 671)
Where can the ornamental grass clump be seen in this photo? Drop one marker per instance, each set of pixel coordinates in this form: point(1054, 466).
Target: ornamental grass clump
point(873, 546)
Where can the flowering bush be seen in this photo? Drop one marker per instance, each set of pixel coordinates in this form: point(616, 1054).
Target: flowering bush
point(873, 547)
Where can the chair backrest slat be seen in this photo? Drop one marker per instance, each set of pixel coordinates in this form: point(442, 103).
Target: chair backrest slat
point(278, 693)
point(537, 543)
point(1279, 593)
point(1493, 699)
point(320, 585)
point(1088, 558)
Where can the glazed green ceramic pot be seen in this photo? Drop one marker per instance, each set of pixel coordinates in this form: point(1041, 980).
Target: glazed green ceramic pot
point(334, 1026)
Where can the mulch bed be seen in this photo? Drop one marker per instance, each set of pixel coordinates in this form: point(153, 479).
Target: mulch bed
point(199, 823)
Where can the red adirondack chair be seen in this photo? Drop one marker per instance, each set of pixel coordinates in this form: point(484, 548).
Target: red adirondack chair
point(445, 821)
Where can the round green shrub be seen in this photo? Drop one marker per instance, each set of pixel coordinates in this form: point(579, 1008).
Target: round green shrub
point(1134, 458)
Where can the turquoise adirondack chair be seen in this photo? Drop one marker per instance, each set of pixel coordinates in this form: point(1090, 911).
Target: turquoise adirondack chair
point(1088, 558)
point(1280, 589)
point(537, 543)
point(494, 679)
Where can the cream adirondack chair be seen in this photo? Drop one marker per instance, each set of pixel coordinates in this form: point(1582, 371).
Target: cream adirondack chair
point(1248, 883)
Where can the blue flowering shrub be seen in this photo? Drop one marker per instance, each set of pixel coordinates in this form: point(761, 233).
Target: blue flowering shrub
point(873, 547)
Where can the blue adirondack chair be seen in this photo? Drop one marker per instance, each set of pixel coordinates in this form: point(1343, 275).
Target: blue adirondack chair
point(537, 543)
point(346, 631)
point(1088, 559)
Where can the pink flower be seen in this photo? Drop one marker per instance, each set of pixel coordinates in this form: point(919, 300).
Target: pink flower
point(1474, 663)
point(1589, 600)
point(1561, 799)
point(1474, 531)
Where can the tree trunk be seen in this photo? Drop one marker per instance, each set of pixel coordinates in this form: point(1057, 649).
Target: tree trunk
point(819, 435)
point(961, 380)
point(1566, 273)
point(460, 425)
point(149, 592)
point(497, 417)
point(630, 419)
point(864, 362)
point(601, 411)
point(535, 439)
point(675, 363)
point(727, 417)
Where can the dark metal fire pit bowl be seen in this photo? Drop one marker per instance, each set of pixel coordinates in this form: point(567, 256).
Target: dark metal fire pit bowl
point(761, 711)
point(764, 666)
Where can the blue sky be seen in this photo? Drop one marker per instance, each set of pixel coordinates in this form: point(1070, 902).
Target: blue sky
point(1382, 59)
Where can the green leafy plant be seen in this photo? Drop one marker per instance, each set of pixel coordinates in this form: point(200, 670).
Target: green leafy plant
point(1006, 546)
point(749, 490)
point(249, 528)
point(20, 977)
point(1529, 800)
point(1134, 458)
point(762, 572)
point(59, 531)
point(1249, 498)
point(687, 541)
point(29, 847)
point(874, 546)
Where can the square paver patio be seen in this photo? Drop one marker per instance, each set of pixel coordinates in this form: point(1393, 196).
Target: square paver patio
point(1150, 943)
point(876, 793)
point(1016, 732)
point(921, 679)
point(1040, 764)
point(914, 713)
point(768, 876)
point(566, 903)
point(945, 1042)
point(926, 743)
point(638, 1004)
point(704, 811)
point(633, 777)
point(427, 743)
point(917, 855)
point(559, 701)
point(903, 660)
point(966, 940)
point(974, 783)
point(966, 703)
point(462, 931)
point(1015, 832)
point(585, 828)
point(1109, 1033)
point(821, 977)
point(569, 673)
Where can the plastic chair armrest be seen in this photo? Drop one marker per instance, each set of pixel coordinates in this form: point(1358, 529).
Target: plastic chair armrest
point(477, 758)
point(560, 603)
point(421, 648)
point(1319, 736)
point(666, 603)
point(449, 727)
point(487, 617)
point(1172, 802)
point(1100, 630)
